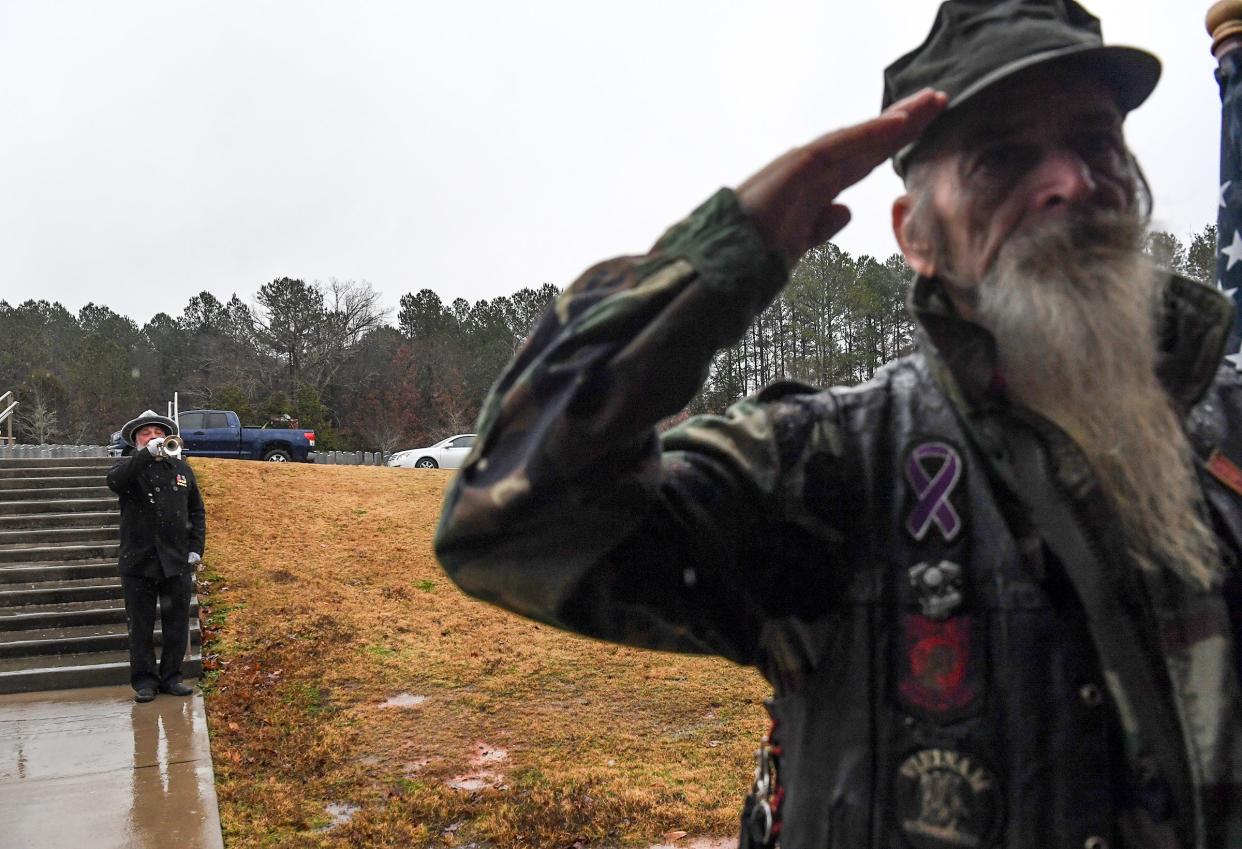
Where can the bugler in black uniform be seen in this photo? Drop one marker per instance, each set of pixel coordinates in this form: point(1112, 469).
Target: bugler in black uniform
point(163, 531)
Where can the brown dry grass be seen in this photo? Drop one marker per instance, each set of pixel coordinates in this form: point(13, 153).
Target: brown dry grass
point(323, 600)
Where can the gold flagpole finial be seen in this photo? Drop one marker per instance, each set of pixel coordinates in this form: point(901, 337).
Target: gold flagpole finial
point(1224, 23)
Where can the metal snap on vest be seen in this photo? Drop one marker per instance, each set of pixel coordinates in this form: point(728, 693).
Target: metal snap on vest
point(1095, 842)
point(1091, 696)
point(761, 822)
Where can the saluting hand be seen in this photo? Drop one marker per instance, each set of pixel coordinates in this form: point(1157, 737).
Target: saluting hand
point(792, 200)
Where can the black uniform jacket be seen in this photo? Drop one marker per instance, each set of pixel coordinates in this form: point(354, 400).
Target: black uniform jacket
point(161, 512)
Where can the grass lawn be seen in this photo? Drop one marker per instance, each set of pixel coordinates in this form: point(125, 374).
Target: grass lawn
point(356, 698)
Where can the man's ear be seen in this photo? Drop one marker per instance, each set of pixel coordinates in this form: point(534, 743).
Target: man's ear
point(914, 243)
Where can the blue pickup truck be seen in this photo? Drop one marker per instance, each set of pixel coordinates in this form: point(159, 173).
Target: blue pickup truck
point(219, 433)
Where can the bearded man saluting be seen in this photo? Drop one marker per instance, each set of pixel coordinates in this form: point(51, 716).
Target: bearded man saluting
point(994, 589)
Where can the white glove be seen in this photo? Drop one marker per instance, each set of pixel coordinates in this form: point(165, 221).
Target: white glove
point(196, 560)
point(153, 446)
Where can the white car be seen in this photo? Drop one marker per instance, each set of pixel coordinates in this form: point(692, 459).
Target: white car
point(446, 454)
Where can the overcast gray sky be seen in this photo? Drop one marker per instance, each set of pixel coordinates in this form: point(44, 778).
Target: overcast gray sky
point(150, 151)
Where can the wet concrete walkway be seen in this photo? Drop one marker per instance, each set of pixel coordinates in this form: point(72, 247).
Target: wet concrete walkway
point(92, 768)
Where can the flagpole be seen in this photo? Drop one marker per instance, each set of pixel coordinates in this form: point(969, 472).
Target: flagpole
point(1224, 25)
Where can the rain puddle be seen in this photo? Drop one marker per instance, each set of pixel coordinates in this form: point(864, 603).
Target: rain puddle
point(483, 755)
point(475, 781)
point(404, 700)
point(414, 767)
point(341, 813)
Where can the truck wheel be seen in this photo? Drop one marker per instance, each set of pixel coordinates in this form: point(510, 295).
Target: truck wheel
point(277, 455)
point(426, 463)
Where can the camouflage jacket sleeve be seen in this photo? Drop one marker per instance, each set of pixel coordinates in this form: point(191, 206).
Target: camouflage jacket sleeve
point(572, 511)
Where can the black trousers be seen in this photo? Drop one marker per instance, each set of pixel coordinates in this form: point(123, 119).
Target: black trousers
point(141, 594)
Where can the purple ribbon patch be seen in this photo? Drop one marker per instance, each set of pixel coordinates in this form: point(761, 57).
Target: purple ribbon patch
point(932, 492)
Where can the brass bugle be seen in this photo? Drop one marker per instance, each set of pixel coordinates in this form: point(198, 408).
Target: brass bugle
point(171, 446)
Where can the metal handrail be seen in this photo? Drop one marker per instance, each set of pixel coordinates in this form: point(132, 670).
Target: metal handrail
point(7, 417)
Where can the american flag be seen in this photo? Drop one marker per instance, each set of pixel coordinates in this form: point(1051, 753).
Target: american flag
point(1229, 212)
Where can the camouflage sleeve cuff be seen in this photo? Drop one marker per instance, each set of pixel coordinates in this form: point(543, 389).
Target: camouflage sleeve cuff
point(720, 241)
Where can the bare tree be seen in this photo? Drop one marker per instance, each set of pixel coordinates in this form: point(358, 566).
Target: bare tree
point(36, 420)
point(312, 328)
point(351, 311)
point(382, 428)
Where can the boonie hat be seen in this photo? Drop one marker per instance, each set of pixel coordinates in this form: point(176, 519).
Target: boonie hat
point(147, 418)
point(975, 44)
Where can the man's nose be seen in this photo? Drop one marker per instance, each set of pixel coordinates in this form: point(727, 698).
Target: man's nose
point(1062, 178)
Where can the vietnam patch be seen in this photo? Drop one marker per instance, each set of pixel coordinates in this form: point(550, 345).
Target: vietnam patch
point(181, 481)
point(940, 675)
point(946, 799)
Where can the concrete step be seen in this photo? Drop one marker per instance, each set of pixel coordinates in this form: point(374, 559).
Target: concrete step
point(63, 482)
point(55, 493)
point(36, 616)
point(8, 461)
point(78, 639)
point(39, 506)
point(23, 554)
point(52, 536)
point(17, 543)
point(18, 595)
point(63, 672)
point(62, 614)
point(9, 472)
point(84, 519)
point(56, 570)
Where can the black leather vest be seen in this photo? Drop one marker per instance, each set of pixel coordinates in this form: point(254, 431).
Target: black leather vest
point(966, 710)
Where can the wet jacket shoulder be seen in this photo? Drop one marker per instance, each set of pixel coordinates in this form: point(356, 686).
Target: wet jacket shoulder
point(162, 512)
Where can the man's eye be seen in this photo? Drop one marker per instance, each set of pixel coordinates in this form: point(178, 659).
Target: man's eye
point(1001, 160)
point(1097, 146)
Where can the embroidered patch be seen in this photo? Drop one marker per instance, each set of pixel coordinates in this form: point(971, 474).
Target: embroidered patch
point(934, 470)
point(944, 798)
point(181, 481)
point(939, 675)
point(1225, 471)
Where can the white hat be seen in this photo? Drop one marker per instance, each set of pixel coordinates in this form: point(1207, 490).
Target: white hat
point(150, 417)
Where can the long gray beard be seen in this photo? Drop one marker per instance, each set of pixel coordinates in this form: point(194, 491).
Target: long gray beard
point(1072, 305)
